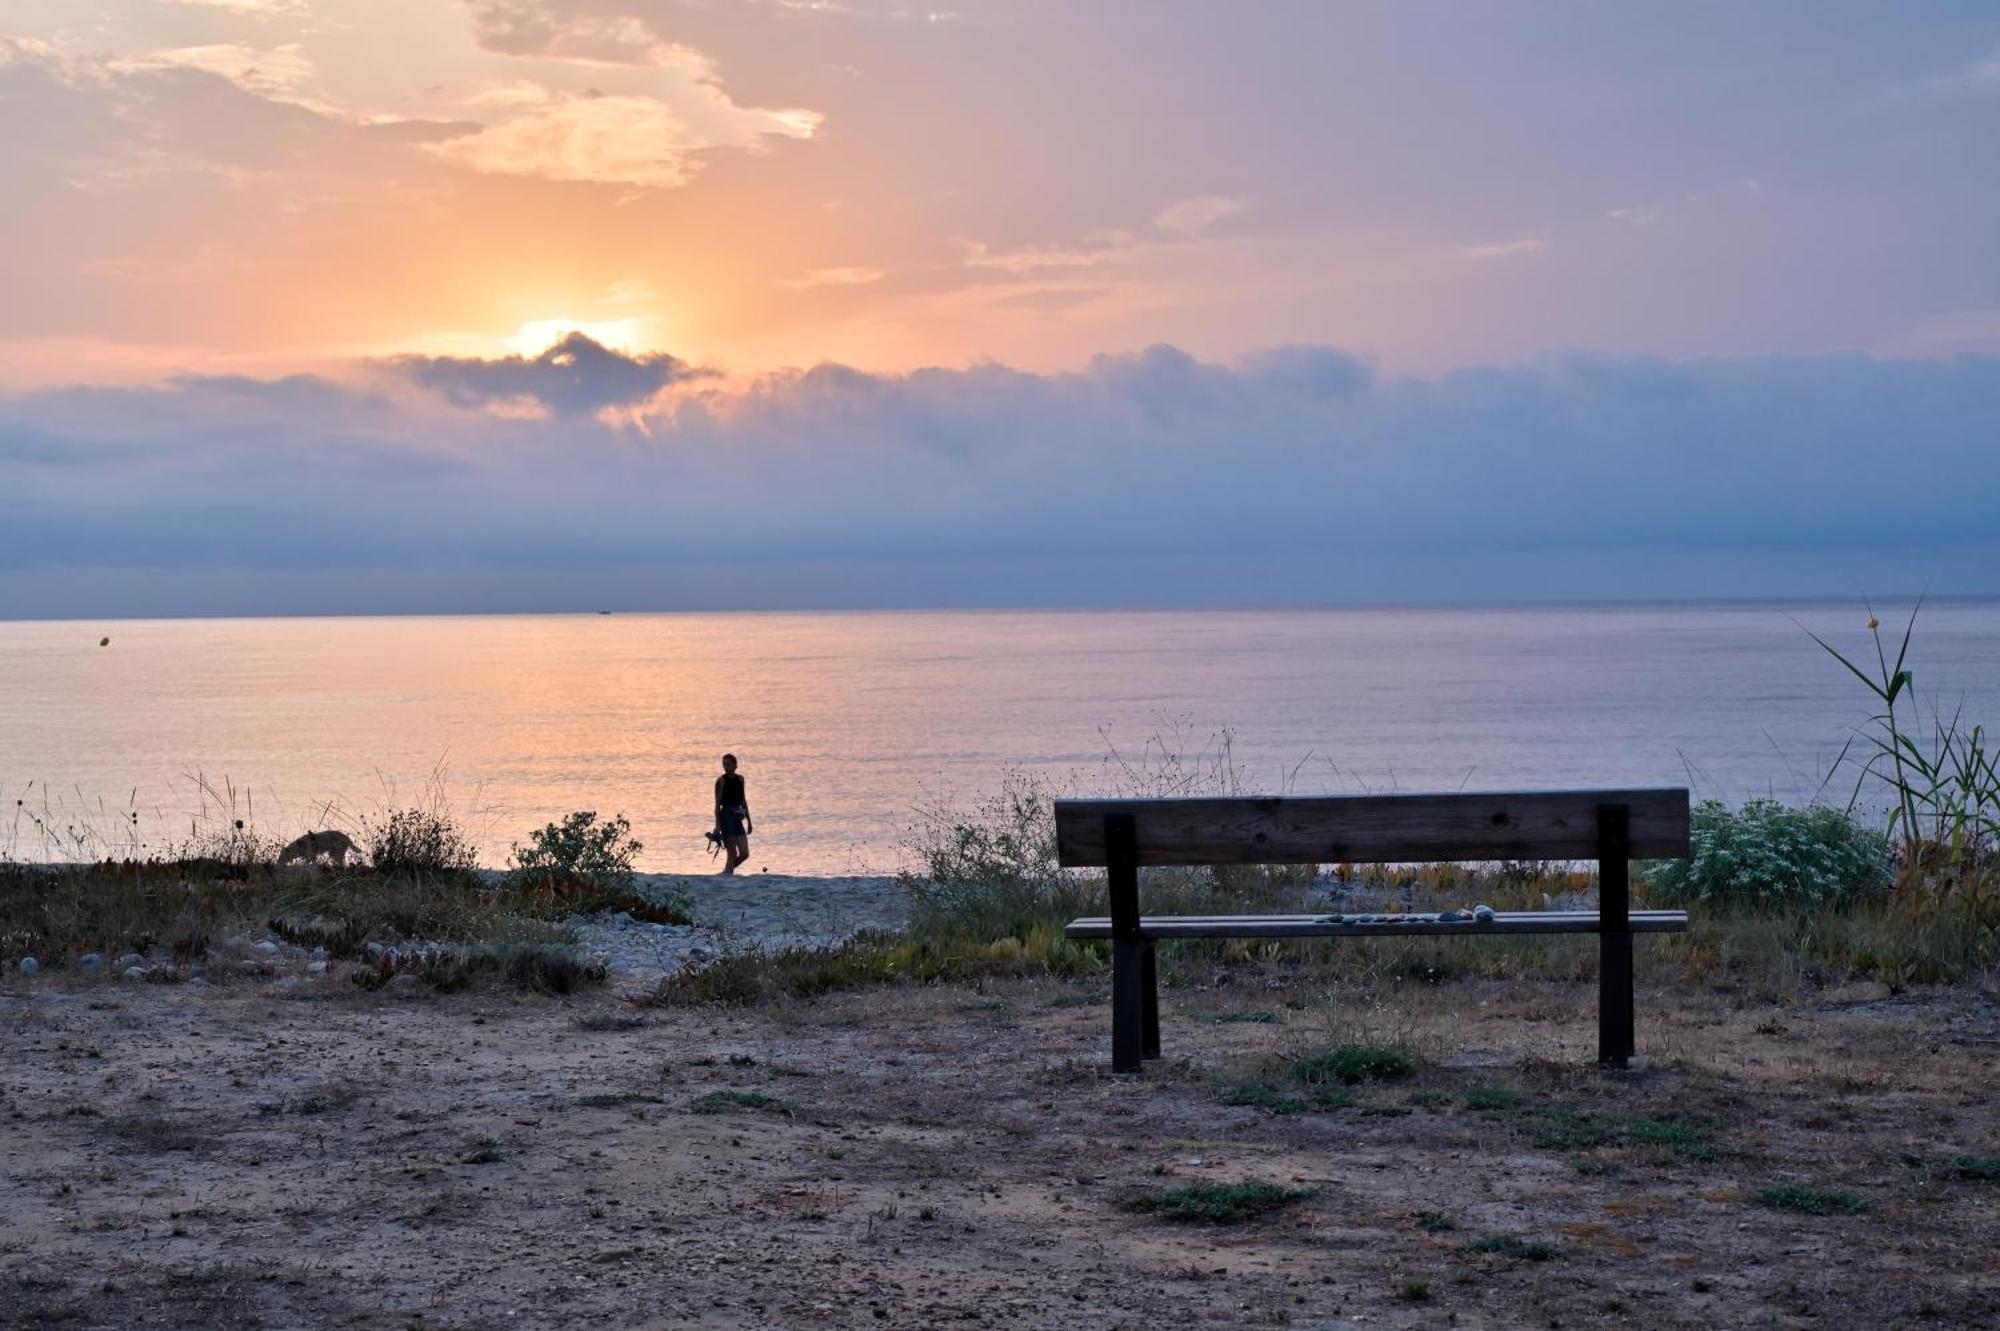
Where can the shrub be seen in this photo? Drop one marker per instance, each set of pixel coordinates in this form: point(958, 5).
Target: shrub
point(418, 841)
point(579, 849)
point(1766, 854)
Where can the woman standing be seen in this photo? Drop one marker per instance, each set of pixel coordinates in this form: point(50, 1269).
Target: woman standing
point(732, 814)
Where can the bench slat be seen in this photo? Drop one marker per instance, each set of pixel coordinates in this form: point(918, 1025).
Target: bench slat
point(1370, 829)
point(1312, 926)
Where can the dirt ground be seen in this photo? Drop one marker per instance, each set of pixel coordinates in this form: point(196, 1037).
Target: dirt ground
point(241, 1158)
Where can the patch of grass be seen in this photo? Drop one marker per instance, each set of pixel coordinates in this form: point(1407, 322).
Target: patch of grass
point(1810, 1200)
point(1435, 1222)
point(1494, 1099)
point(1560, 1128)
point(615, 1099)
point(1319, 1080)
point(329, 1101)
point(1258, 1094)
point(1507, 1245)
point(1214, 1203)
point(537, 962)
point(1965, 1168)
point(1352, 1064)
point(729, 1102)
point(150, 1132)
point(609, 1021)
point(1075, 998)
point(1414, 1291)
point(484, 1155)
point(1557, 1129)
point(1246, 1018)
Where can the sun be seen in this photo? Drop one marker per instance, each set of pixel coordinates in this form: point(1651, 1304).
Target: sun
point(630, 336)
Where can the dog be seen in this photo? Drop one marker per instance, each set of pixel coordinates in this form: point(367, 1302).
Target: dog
point(336, 846)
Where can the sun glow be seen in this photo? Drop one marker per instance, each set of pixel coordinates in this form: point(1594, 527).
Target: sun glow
point(631, 336)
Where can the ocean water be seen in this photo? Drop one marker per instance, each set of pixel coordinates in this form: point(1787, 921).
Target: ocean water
point(847, 724)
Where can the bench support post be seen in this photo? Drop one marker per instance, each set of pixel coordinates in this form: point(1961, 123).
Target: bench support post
point(1614, 916)
point(1135, 1010)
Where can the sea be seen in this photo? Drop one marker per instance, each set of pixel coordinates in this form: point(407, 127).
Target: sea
point(861, 733)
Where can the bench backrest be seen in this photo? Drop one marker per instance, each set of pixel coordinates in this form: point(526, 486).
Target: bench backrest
point(1373, 829)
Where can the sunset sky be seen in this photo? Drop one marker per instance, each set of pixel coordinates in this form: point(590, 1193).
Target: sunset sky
point(992, 303)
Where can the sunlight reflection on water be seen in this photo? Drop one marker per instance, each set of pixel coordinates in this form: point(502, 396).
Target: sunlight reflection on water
point(846, 722)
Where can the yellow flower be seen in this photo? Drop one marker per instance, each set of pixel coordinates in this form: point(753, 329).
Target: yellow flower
point(1873, 624)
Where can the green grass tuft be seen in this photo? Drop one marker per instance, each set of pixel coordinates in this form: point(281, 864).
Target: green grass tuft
point(728, 1102)
point(1810, 1200)
point(1215, 1203)
point(1506, 1245)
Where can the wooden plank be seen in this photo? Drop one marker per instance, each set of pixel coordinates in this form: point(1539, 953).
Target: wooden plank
point(1314, 926)
point(1371, 829)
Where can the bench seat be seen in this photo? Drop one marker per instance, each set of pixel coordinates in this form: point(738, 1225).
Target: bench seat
point(1317, 926)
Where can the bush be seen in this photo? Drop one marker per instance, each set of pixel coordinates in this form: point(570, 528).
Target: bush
point(1766, 854)
point(578, 850)
point(418, 841)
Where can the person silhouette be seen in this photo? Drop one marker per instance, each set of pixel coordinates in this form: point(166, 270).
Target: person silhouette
point(732, 814)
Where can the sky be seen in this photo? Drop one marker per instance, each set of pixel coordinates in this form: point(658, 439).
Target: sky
point(429, 305)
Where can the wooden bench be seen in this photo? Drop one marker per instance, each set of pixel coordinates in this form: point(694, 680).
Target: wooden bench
point(1612, 827)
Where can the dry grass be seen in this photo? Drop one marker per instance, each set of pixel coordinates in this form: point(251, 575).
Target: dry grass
point(930, 1154)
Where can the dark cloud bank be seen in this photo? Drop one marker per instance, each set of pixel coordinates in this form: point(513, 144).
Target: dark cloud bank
point(1295, 477)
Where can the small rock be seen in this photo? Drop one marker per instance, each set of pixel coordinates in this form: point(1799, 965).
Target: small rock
point(267, 948)
point(319, 954)
point(406, 984)
point(128, 961)
point(196, 982)
point(90, 961)
point(317, 967)
point(29, 965)
point(1483, 913)
point(375, 949)
point(1450, 917)
point(288, 983)
point(135, 973)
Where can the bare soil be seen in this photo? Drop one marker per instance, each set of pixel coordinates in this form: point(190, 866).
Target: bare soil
point(236, 1157)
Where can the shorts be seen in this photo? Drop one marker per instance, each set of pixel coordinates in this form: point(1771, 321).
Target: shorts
point(732, 823)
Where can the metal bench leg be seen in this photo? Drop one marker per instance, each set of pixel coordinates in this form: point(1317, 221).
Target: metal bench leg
point(1135, 1021)
point(1614, 937)
point(1128, 1004)
point(1149, 984)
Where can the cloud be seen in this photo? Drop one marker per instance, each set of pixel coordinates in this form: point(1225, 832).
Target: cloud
point(575, 377)
point(1191, 217)
point(278, 75)
point(1183, 222)
point(615, 139)
point(260, 8)
point(531, 28)
point(1500, 249)
point(661, 105)
point(1298, 474)
point(833, 277)
point(647, 136)
point(1096, 248)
